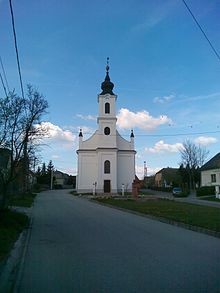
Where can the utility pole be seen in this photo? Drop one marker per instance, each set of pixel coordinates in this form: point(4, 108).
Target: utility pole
point(51, 179)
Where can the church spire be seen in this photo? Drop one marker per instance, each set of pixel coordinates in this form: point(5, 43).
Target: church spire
point(107, 85)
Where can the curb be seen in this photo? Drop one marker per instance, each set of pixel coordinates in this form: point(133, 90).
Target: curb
point(20, 267)
point(163, 220)
point(11, 269)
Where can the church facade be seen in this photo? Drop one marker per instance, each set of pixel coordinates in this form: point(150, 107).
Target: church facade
point(106, 161)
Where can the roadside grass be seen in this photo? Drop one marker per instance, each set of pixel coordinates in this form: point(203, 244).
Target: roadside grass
point(25, 200)
point(145, 193)
point(79, 194)
point(74, 193)
point(11, 225)
point(196, 215)
point(210, 198)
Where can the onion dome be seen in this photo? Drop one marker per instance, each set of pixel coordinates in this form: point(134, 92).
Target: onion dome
point(107, 85)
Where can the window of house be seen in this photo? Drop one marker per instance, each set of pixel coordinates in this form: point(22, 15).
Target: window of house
point(213, 177)
point(107, 167)
point(107, 108)
point(107, 130)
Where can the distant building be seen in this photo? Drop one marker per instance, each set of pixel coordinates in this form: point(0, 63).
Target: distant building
point(106, 161)
point(210, 173)
point(167, 177)
point(60, 179)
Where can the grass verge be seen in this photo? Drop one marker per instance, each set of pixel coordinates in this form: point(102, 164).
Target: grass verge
point(25, 200)
point(11, 225)
point(191, 214)
point(74, 193)
point(210, 198)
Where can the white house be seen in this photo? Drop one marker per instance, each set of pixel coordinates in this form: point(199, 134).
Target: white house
point(210, 174)
point(106, 161)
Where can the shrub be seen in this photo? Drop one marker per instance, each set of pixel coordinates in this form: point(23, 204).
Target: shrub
point(58, 186)
point(184, 193)
point(205, 190)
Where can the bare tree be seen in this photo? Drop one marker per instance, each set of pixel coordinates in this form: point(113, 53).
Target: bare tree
point(192, 158)
point(19, 133)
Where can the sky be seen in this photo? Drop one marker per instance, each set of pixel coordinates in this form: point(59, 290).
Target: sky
point(165, 73)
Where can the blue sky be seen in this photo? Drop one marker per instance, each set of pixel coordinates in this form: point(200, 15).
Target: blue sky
point(166, 76)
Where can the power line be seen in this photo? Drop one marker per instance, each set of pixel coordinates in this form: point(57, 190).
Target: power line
point(3, 85)
point(16, 48)
point(3, 70)
point(199, 26)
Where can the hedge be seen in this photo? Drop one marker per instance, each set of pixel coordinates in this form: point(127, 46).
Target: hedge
point(205, 190)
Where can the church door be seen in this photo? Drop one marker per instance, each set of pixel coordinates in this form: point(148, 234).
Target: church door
point(107, 186)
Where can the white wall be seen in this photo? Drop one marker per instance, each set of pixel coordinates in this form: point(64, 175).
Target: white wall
point(87, 171)
point(126, 170)
point(206, 177)
point(112, 157)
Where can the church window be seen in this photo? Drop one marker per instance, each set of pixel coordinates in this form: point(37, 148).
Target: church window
point(107, 130)
point(107, 167)
point(107, 108)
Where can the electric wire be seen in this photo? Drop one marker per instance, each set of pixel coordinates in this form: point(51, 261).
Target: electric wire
point(3, 85)
point(16, 48)
point(4, 74)
point(201, 29)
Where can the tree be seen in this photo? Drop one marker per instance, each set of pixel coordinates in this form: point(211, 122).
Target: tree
point(192, 158)
point(45, 174)
point(50, 169)
point(20, 132)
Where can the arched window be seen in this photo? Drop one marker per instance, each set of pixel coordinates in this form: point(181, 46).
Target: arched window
point(107, 167)
point(107, 108)
point(107, 130)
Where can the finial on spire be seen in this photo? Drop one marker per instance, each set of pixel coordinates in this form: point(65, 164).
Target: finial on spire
point(132, 133)
point(80, 133)
point(107, 65)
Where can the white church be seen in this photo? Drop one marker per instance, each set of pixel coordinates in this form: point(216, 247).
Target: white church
point(106, 161)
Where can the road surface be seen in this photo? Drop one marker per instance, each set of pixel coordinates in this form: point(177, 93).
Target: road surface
point(80, 246)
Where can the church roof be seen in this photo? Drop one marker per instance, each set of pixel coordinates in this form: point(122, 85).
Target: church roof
point(107, 86)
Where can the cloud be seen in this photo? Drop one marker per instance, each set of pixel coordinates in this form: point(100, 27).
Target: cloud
point(150, 171)
point(147, 24)
point(205, 140)
point(86, 130)
point(163, 100)
point(142, 120)
point(55, 157)
point(68, 170)
point(198, 98)
point(57, 135)
point(86, 117)
point(154, 16)
point(161, 147)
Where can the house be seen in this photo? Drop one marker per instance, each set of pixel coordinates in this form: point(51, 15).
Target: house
point(60, 178)
point(106, 161)
point(167, 177)
point(210, 174)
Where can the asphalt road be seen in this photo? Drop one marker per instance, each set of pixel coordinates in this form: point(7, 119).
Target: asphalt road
point(80, 246)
